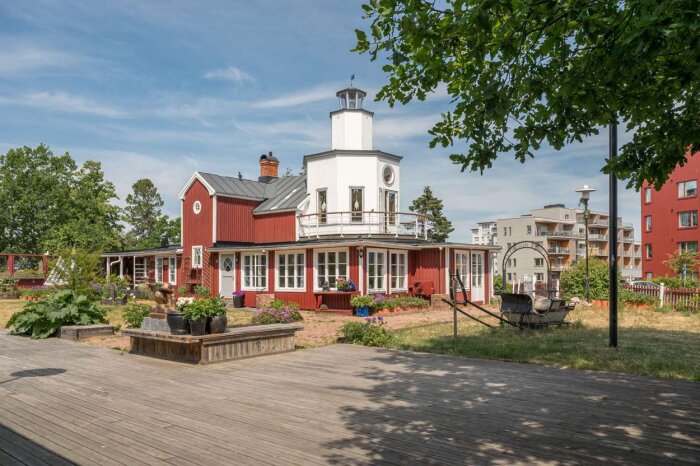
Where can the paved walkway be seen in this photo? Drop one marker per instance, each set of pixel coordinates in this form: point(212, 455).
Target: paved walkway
point(63, 402)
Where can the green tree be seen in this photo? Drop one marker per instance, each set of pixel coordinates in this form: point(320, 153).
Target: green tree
point(76, 269)
point(439, 227)
point(685, 258)
point(35, 190)
point(91, 221)
point(573, 279)
point(171, 227)
point(522, 73)
point(143, 213)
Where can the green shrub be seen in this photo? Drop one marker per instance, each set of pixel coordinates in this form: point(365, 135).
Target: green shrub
point(273, 315)
point(201, 290)
point(41, 319)
point(371, 332)
point(675, 282)
point(407, 301)
point(573, 279)
point(691, 305)
point(632, 297)
point(134, 314)
point(181, 290)
point(498, 284)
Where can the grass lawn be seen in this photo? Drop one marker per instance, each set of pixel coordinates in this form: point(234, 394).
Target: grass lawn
point(660, 344)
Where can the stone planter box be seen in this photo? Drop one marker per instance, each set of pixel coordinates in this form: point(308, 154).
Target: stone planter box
point(235, 343)
point(82, 332)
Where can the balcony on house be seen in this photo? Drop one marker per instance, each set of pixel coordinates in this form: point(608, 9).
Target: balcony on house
point(363, 224)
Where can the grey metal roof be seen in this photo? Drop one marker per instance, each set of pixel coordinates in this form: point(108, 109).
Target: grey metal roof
point(232, 186)
point(284, 194)
point(279, 195)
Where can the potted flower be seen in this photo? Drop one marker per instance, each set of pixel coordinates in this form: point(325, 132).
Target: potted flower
point(341, 283)
point(176, 320)
point(238, 299)
point(362, 305)
point(216, 309)
point(197, 314)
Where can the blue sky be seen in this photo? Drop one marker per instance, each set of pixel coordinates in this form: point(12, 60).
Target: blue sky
point(161, 89)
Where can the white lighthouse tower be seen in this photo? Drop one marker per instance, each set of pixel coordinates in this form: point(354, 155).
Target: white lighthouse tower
point(351, 125)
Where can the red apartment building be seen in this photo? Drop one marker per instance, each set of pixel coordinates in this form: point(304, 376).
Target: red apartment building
point(670, 218)
point(293, 236)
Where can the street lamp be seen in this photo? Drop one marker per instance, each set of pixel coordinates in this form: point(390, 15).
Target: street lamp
point(585, 196)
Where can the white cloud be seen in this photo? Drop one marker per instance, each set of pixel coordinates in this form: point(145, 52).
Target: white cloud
point(19, 59)
point(303, 132)
point(392, 129)
point(231, 73)
point(64, 102)
point(295, 98)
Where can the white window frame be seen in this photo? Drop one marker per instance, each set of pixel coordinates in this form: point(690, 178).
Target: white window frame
point(294, 254)
point(682, 185)
point(197, 264)
point(647, 223)
point(357, 216)
point(316, 252)
point(647, 195)
point(683, 246)
point(377, 276)
point(172, 270)
point(255, 259)
point(480, 266)
point(159, 269)
point(402, 286)
point(462, 267)
point(691, 218)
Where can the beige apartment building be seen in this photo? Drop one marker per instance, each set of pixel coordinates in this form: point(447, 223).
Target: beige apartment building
point(561, 232)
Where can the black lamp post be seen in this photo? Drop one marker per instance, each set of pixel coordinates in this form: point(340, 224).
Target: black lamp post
point(585, 196)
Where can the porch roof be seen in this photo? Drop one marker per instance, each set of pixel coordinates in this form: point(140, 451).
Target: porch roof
point(171, 249)
point(379, 243)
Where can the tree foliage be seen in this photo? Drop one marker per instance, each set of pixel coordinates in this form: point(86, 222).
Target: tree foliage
point(76, 269)
point(573, 279)
point(685, 258)
point(439, 227)
point(521, 73)
point(148, 223)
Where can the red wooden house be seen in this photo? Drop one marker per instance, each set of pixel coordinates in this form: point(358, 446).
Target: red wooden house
point(293, 236)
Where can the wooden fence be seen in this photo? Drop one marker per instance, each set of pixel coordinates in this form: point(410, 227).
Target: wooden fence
point(677, 298)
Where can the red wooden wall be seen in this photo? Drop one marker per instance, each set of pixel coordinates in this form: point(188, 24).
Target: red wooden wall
point(197, 227)
point(272, 228)
point(234, 218)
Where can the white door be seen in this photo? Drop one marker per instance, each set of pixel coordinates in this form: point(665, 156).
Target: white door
point(226, 276)
point(477, 276)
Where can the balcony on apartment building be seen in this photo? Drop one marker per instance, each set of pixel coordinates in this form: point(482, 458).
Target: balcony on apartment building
point(363, 224)
point(598, 252)
point(597, 237)
point(600, 222)
point(558, 251)
point(557, 267)
point(559, 234)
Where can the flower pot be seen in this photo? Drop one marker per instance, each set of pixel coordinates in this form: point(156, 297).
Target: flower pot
point(217, 324)
point(362, 311)
point(238, 301)
point(198, 327)
point(177, 323)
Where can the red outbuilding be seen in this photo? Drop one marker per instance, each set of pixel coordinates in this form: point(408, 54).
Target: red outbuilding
point(294, 237)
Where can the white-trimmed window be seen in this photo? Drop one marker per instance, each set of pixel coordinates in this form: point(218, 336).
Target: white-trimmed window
point(291, 271)
point(398, 266)
point(172, 270)
point(376, 271)
point(647, 195)
point(329, 266)
point(462, 267)
point(688, 188)
point(254, 271)
point(647, 221)
point(196, 257)
point(159, 269)
point(478, 269)
point(688, 219)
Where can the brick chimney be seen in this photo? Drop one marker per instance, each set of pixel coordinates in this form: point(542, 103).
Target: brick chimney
point(269, 168)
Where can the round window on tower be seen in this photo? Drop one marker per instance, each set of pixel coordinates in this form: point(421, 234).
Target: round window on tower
point(197, 207)
point(388, 175)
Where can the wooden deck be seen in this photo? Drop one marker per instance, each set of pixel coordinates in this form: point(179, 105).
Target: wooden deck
point(63, 402)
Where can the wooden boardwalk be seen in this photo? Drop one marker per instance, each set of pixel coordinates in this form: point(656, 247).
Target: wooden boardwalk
point(63, 402)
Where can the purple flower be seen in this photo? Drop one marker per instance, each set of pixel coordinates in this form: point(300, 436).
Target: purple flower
point(368, 320)
point(380, 319)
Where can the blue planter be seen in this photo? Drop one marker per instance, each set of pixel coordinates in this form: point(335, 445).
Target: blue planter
point(362, 311)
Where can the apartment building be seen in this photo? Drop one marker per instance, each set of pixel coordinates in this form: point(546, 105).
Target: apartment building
point(561, 232)
point(486, 234)
point(670, 218)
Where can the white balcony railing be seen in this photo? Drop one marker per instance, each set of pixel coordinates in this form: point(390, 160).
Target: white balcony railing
point(360, 224)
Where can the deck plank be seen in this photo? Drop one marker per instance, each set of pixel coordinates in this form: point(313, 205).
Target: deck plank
point(341, 404)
